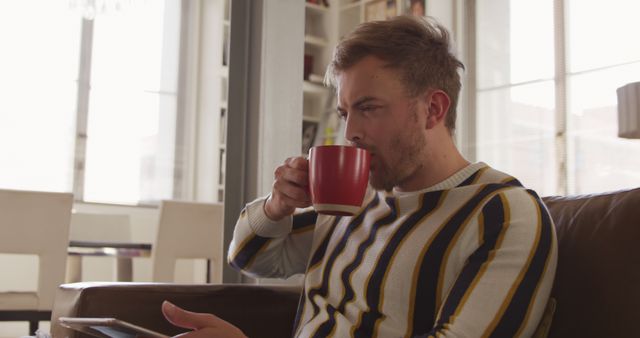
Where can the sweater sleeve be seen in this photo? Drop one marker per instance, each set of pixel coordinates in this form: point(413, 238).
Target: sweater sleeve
point(266, 249)
point(505, 283)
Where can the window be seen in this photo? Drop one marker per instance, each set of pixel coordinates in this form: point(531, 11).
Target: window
point(549, 116)
point(133, 104)
point(90, 106)
point(39, 68)
point(602, 55)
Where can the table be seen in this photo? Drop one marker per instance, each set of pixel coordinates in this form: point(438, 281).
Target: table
point(124, 252)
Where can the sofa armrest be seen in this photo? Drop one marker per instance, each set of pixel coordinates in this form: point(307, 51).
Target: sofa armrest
point(258, 310)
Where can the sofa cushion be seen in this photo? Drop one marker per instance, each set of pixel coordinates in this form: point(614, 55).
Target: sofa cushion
point(597, 284)
point(258, 310)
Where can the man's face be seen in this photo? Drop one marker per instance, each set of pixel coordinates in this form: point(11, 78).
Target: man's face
point(382, 118)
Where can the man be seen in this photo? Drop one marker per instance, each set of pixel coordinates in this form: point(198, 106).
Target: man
point(440, 247)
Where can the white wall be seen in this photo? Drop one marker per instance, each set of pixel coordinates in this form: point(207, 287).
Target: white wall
point(443, 10)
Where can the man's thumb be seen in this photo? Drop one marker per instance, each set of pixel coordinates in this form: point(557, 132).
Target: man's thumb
point(187, 319)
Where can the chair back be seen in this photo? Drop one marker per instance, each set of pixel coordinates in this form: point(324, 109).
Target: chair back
point(188, 230)
point(100, 227)
point(37, 223)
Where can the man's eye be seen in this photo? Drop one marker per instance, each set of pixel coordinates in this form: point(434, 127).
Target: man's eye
point(368, 108)
point(342, 114)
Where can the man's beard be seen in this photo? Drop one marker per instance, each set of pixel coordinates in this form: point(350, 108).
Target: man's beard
point(406, 152)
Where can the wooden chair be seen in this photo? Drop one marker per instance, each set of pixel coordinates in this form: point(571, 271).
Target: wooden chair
point(34, 223)
point(188, 230)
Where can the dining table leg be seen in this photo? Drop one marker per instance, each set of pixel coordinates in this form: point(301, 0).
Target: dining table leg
point(74, 269)
point(124, 269)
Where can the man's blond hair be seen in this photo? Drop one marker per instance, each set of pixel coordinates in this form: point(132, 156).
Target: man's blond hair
point(419, 48)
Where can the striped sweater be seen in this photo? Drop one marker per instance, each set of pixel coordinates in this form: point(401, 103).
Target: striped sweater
point(473, 256)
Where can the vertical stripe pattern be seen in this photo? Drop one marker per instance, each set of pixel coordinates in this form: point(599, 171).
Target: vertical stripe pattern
point(248, 252)
point(374, 287)
point(304, 220)
point(328, 265)
point(517, 309)
point(493, 215)
point(473, 255)
point(427, 279)
point(326, 327)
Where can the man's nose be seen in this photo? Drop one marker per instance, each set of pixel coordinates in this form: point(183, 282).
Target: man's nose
point(353, 130)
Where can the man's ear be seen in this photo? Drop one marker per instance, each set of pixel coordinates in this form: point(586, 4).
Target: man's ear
point(437, 104)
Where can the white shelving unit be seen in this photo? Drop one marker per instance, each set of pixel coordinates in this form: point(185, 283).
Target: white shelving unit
point(324, 26)
point(318, 42)
point(224, 85)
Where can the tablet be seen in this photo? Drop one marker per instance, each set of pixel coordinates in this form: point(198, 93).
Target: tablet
point(108, 328)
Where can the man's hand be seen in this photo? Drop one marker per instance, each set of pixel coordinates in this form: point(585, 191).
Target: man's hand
point(204, 325)
point(290, 189)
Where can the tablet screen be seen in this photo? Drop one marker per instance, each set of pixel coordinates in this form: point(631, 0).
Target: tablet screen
point(109, 328)
point(114, 331)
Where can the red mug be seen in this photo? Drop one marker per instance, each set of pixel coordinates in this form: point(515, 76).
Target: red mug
point(338, 178)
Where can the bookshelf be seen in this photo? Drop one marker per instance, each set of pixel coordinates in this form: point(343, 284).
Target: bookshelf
point(319, 39)
point(224, 90)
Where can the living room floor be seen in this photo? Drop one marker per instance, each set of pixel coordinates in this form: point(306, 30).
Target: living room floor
point(19, 329)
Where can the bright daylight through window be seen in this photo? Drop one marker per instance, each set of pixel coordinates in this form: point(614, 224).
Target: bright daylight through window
point(548, 115)
point(124, 64)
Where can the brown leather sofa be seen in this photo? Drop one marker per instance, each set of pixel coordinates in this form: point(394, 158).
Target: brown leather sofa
point(597, 285)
